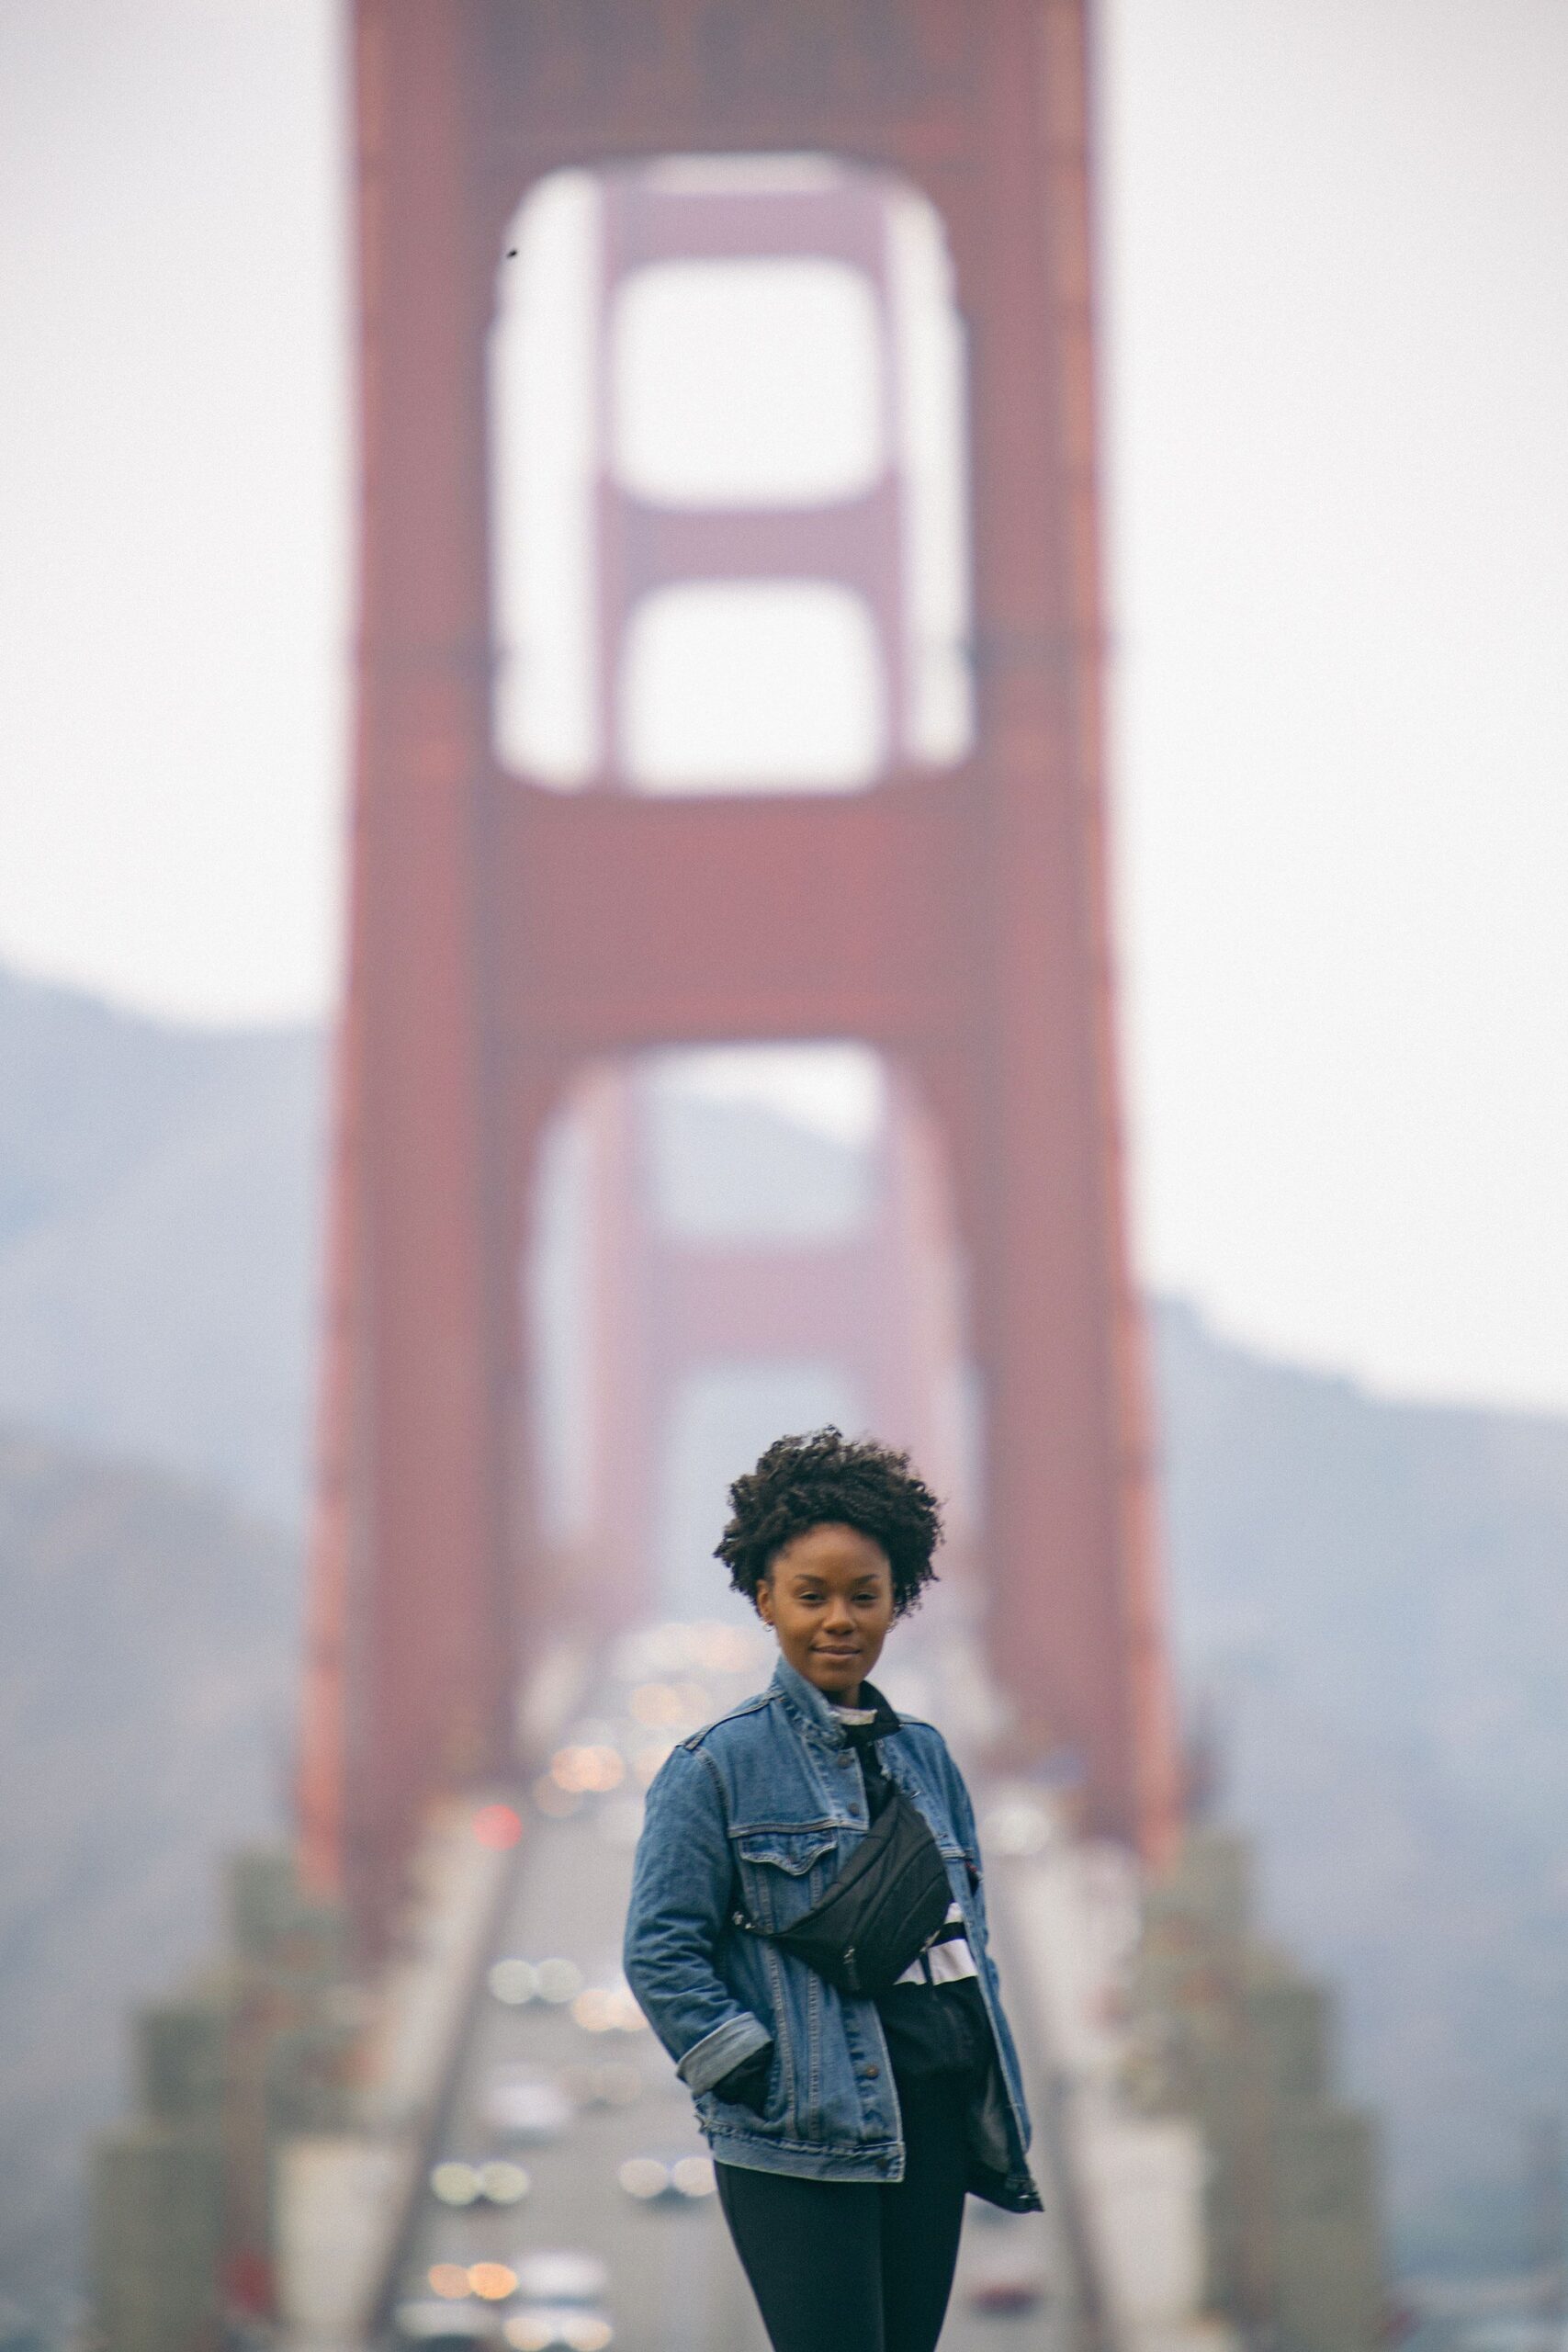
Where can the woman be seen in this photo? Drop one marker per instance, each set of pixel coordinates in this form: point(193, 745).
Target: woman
point(846, 2129)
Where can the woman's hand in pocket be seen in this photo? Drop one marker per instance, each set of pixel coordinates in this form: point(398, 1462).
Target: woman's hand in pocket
point(747, 2085)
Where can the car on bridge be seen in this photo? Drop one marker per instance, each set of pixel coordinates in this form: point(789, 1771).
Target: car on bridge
point(683, 2178)
point(493, 2182)
point(611, 2084)
point(560, 2305)
point(549, 2328)
point(525, 2105)
point(446, 2327)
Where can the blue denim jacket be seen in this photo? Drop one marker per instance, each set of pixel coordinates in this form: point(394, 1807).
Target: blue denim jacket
point(762, 1809)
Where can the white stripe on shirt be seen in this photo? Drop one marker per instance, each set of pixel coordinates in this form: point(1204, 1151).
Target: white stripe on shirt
point(944, 1963)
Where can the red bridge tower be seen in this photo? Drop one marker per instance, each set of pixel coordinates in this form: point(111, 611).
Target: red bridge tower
point(503, 934)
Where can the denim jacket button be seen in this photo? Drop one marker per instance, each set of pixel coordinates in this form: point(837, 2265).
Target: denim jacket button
point(871, 2073)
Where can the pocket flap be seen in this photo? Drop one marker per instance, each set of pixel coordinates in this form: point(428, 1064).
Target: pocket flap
point(786, 1849)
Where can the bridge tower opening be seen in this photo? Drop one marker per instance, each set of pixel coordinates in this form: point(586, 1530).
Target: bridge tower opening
point(725, 433)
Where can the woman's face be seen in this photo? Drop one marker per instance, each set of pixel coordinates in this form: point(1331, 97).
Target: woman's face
point(828, 1597)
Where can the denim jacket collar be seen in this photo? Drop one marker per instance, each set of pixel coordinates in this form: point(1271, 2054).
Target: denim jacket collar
point(812, 1712)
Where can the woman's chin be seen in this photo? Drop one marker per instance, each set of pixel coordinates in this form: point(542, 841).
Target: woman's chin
point(836, 1676)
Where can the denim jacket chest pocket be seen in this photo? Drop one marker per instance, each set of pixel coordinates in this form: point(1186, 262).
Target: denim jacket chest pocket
point(781, 1873)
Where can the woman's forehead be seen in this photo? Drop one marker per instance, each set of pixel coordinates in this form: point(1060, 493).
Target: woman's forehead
point(829, 1548)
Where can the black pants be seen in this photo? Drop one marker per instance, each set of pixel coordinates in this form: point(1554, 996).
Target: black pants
point(840, 2266)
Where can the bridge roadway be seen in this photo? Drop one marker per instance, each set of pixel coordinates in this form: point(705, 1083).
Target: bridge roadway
point(672, 2281)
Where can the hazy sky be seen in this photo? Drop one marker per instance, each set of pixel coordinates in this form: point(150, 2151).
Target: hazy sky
point(1336, 314)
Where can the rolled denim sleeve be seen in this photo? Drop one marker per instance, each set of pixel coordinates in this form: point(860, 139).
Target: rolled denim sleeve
point(679, 1896)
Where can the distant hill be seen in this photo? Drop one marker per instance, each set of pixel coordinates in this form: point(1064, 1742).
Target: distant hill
point(159, 1212)
point(1368, 1599)
point(1372, 1598)
point(146, 1688)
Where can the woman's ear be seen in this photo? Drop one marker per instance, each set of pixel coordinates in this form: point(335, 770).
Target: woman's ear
point(762, 1599)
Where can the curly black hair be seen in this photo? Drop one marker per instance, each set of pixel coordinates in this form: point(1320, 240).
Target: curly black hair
point(824, 1477)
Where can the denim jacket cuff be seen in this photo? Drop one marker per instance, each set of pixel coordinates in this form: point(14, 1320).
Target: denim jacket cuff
point(716, 2053)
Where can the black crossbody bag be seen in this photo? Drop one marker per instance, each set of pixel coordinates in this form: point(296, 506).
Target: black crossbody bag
point(885, 1906)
